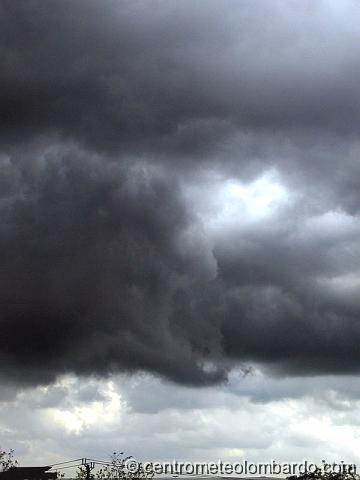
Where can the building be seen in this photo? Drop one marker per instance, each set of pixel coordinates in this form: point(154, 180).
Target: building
point(28, 473)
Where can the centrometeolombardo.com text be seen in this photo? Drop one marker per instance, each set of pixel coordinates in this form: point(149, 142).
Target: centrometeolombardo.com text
point(243, 467)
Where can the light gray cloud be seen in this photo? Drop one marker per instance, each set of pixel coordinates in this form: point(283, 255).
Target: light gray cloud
point(155, 420)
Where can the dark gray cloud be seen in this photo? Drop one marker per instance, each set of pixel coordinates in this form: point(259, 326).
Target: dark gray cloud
point(122, 124)
point(166, 76)
point(90, 270)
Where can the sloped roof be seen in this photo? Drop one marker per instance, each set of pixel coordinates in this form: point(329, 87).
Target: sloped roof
point(27, 473)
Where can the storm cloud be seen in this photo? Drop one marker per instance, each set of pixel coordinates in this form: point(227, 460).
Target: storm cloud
point(179, 188)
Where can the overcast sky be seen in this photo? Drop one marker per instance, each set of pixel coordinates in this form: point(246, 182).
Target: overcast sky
point(179, 235)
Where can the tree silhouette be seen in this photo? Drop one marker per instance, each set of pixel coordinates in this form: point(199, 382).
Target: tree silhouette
point(318, 474)
point(115, 469)
point(7, 460)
